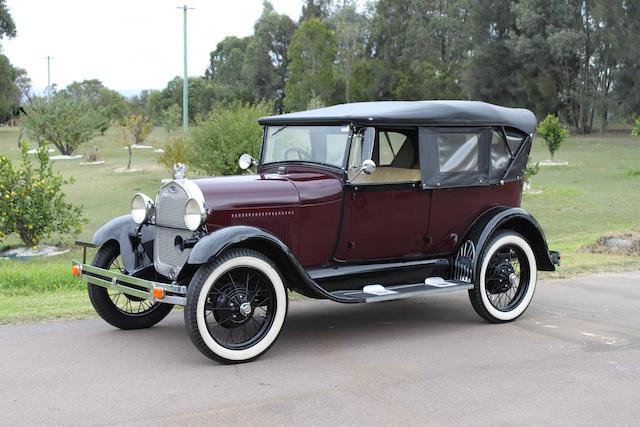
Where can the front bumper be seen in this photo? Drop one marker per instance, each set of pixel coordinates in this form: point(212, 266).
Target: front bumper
point(129, 285)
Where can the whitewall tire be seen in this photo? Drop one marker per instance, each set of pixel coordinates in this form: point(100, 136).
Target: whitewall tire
point(506, 278)
point(236, 306)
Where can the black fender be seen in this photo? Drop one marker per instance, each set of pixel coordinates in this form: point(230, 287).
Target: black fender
point(516, 219)
point(240, 236)
point(136, 241)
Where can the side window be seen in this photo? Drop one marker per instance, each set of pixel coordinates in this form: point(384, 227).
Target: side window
point(514, 140)
point(390, 145)
point(458, 152)
point(396, 157)
point(500, 155)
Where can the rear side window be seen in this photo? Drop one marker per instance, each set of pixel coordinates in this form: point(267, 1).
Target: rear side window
point(500, 155)
point(514, 140)
point(458, 152)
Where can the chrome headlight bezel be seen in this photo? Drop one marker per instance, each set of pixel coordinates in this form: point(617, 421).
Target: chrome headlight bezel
point(142, 208)
point(195, 214)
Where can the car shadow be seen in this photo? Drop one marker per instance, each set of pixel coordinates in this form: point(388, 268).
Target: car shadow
point(312, 324)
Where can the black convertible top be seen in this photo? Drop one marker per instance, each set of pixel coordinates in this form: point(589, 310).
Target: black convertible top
point(457, 113)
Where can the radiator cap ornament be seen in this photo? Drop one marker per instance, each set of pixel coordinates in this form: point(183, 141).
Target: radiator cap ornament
point(178, 170)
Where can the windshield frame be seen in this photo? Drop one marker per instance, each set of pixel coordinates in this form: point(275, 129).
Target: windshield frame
point(345, 156)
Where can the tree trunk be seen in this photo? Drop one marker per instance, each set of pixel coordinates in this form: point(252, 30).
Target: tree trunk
point(129, 164)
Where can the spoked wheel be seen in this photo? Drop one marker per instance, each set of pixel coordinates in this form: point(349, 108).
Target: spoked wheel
point(506, 281)
point(236, 306)
point(118, 309)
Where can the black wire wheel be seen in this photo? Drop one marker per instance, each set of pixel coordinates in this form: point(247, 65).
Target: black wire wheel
point(119, 309)
point(506, 280)
point(236, 306)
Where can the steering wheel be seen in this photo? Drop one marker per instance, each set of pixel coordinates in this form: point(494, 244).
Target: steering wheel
point(302, 155)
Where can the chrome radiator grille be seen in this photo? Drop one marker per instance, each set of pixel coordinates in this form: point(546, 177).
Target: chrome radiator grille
point(170, 203)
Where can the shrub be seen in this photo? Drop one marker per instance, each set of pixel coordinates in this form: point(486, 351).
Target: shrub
point(554, 133)
point(32, 203)
point(636, 127)
point(216, 143)
point(60, 120)
point(175, 151)
point(531, 170)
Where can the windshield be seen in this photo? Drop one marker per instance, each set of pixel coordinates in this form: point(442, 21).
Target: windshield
point(316, 144)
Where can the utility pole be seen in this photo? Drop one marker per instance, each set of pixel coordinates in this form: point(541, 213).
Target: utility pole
point(185, 79)
point(48, 58)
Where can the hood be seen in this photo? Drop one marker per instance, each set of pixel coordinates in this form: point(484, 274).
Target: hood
point(247, 192)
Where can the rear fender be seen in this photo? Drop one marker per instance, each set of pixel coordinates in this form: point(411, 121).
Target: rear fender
point(516, 219)
point(135, 241)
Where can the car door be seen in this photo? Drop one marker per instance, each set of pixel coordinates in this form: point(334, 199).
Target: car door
point(386, 214)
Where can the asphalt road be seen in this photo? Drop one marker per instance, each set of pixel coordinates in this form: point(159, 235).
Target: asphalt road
point(572, 359)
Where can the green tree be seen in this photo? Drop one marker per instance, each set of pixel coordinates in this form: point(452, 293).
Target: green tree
point(554, 133)
point(266, 60)
point(225, 73)
point(7, 26)
point(171, 118)
point(351, 38)
point(62, 121)
point(627, 85)
point(367, 80)
point(311, 67)
point(108, 103)
point(132, 131)
point(32, 204)
point(316, 9)
point(491, 23)
point(172, 94)
point(216, 143)
point(9, 94)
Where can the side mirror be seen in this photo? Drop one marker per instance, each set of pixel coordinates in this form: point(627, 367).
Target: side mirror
point(246, 161)
point(368, 166)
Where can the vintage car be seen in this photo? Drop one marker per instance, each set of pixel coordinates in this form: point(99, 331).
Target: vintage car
point(354, 203)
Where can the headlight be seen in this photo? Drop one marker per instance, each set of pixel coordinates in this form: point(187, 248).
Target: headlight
point(194, 214)
point(141, 208)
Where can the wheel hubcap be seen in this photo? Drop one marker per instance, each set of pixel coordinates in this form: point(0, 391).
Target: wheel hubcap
point(242, 304)
point(506, 277)
point(245, 308)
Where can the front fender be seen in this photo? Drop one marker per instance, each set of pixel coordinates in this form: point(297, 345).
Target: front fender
point(215, 243)
point(135, 241)
point(296, 277)
point(517, 219)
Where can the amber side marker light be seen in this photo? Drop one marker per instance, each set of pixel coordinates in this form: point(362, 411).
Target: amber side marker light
point(76, 271)
point(158, 293)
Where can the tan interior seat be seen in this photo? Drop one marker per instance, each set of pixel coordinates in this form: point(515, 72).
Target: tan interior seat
point(385, 175)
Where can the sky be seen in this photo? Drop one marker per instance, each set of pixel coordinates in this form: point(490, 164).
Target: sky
point(128, 45)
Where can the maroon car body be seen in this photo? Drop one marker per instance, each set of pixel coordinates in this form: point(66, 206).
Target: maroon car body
point(359, 202)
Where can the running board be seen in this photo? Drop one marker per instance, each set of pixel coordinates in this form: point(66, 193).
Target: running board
point(379, 293)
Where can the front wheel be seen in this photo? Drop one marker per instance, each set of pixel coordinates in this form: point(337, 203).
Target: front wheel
point(236, 306)
point(506, 281)
point(119, 309)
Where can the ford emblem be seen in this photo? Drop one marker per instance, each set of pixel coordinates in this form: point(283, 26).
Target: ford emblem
point(173, 189)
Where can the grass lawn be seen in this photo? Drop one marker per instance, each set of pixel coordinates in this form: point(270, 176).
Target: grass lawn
point(597, 193)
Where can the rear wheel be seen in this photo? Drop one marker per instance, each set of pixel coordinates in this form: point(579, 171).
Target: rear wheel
point(116, 308)
point(506, 280)
point(236, 306)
